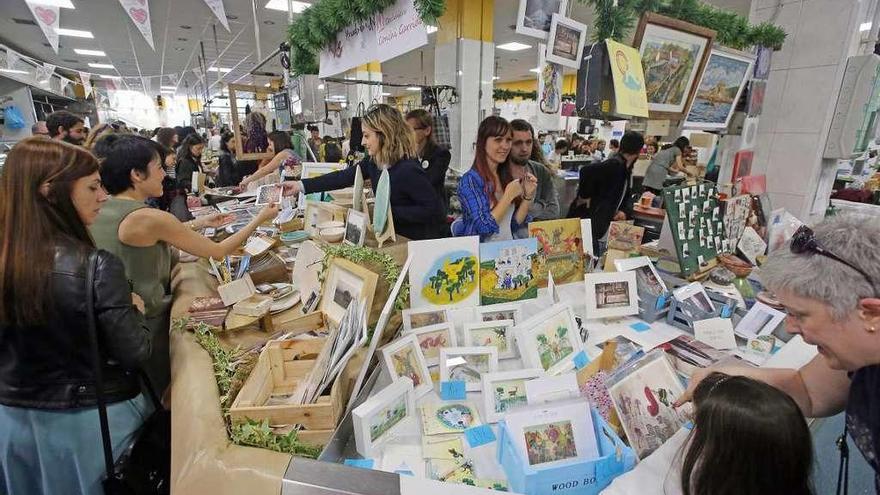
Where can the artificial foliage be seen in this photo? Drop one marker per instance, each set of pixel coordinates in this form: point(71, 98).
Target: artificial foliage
point(361, 255)
point(734, 31)
point(509, 94)
point(318, 25)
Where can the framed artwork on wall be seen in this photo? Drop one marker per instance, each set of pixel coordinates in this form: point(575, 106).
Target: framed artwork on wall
point(535, 16)
point(719, 90)
point(565, 45)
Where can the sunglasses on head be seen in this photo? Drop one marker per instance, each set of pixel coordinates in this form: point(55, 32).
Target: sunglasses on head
point(804, 241)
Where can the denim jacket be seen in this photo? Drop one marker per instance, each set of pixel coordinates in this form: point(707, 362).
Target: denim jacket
point(477, 216)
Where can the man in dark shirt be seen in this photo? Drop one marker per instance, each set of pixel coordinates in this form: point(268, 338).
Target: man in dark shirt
point(546, 203)
point(604, 189)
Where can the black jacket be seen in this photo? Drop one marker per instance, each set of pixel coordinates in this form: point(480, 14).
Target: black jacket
point(50, 366)
point(185, 169)
point(228, 173)
point(437, 164)
point(604, 184)
point(415, 206)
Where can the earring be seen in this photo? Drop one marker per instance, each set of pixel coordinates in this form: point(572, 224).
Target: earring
point(872, 329)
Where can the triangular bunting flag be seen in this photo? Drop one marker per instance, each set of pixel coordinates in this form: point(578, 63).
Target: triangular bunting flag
point(110, 85)
point(45, 71)
point(217, 8)
point(139, 13)
point(48, 18)
point(12, 58)
point(86, 82)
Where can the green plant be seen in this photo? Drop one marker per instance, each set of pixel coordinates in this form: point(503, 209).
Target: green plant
point(363, 254)
point(259, 434)
point(509, 94)
point(319, 24)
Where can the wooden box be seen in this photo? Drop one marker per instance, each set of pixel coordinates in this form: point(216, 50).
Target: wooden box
point(279, 370)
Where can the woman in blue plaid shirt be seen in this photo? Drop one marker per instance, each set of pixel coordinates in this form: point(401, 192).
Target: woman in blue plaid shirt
point(493, 203)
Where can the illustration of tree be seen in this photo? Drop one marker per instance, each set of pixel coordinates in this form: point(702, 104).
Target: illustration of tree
point(542, 340)
point(440, 279)
point(451, 288)
point(561, 331)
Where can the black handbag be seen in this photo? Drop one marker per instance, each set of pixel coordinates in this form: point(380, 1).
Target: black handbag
point(144, 468)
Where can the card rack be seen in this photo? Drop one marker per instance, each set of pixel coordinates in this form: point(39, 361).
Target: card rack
point(683, 314)
point(695, 222)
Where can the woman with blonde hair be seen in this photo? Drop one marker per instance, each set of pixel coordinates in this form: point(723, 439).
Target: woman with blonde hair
point(96, 133)
point(390, 145)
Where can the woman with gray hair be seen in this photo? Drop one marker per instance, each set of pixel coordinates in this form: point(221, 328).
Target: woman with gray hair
point(828, 282)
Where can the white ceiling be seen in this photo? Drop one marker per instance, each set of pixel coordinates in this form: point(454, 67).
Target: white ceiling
point(179, 26)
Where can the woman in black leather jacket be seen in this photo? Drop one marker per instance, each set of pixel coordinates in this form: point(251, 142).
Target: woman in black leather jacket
point(50, 440)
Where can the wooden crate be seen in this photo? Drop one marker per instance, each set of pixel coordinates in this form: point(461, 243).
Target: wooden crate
point(280, 368)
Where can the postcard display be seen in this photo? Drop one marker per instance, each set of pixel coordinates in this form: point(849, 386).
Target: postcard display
point(694, 220)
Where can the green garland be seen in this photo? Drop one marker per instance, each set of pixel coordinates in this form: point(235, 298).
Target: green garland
point(361, 255)
point(509, 94)
point(318, 25)
point(733, 30)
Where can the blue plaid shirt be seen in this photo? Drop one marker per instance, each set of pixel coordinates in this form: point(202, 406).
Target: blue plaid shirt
point(477, 216)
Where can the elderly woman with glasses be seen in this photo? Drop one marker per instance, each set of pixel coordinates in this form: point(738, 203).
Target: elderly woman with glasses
point(828, 283)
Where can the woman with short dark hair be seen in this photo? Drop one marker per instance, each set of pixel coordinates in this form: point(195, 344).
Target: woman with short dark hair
point(189, 160)
point(228, 171)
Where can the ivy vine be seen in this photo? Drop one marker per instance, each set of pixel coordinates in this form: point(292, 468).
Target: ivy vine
point(362, 254)
point(509, 94)
point(319, 24)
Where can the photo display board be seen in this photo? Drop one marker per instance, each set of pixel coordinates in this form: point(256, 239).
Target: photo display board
point(696, 224)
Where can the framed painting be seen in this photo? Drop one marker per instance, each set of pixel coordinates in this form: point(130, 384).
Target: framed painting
point(467, 364)
point(498, 312)
point(506, 271)
point(674, 54)
point(346, 281)
point(418, 318)
point(535, 16)
point(554, 434)
point(742, 164)
point(565, 45)
point(243, 91)
point(610, 294)
point(560, 250)
point(497, 334)
point(381, 414)
point(433, 338)
point(404, 357)
point(720, 88)
point(505, 392)
point(550, 340)
point(446, 273)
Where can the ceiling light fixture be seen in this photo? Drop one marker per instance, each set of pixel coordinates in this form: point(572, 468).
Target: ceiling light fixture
point(96, 53)
point(172, 88)
point(865, 26)
point(76, 33)
point(513, 46)
point(320, 86)
point(535, 70)
point(43, 81)
point(386, 94)
point(413, 88)
point(100, 66)
point(221, 69)
point(495, 78)
point(14, 71)
point(104, 76)
point(64, 4)
point(298, 7)
point(430, 29)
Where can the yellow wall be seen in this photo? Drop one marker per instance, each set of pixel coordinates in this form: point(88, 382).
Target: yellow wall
point(569, 85)
point(469, 19)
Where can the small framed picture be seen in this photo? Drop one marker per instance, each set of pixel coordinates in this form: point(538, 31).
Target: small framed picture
point(647, 277)
point(497, 312)
point(696, 294)
point(550, 340)
point(611, 294)
point(505, 391)
point(467, 364)
point(497, 334)
point(444, 417)
point(376, 419)
point(535, 16)
point(268, 194)
point(433, 338)
point(355, 228)
point(346, 281)
point(553, 434)
point(565, 45)
point(417, 318)
point(404, 357)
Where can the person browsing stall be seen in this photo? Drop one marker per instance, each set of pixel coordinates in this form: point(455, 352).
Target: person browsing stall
point(494, 204)
point(546, 203)
point(50, 437)
point(604, 189)
point(284, 159)
point(67, 127)
point(433, 159)
point(228, 170)
point(390, 144)
point(132, 172)
point(665, 161)
point(189, 160)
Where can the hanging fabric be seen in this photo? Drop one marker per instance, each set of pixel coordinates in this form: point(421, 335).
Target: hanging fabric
point(139, 13)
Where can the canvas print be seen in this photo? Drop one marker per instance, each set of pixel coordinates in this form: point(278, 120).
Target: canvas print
point(433, 338)
point(643, 397)
point(565, 44)
point(467, 364)
point(445, 273)
point(497, 334)
point(629, 80)
point(723, 80)
point(506, 271)
point(671, 60)
point(560, 250)
point(448, 417)
point(535, 16)
point(549, 442)
point(625, 236)
point(387, 418)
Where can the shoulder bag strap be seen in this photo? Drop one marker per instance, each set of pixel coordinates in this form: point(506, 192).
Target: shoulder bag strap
point(843, 470)
point(96, 361)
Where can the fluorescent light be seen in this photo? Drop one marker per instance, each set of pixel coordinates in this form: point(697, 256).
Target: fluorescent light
point(100, 66)
point(298, 7)
point(386, 94)
point(64, 4)
point(43, 81)
point(535, 70)
point(495, 78)
point(172, 88)
point(865, 26)
point(513, 46)
point(430, 29)
point(76, 33)
point(320, 86)
point(14, 71)
point(268, 85)
point(103, 76)
point(413, 88)
point(167, 91)
point(96, 53)
point(221, 69)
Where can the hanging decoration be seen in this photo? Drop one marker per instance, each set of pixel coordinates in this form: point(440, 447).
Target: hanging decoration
point(549, 83)
point(510, 94)
point(48, 18)
point(139, 13)
point(12, 58)
point(616, 20)
point(44, 71)
point(318, 25)
point(219, 10)
point(85, 77)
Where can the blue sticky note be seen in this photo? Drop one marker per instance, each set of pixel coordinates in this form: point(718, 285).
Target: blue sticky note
point(689, 425)
point(661, 301)
point(640, 326)
point(479, 435)
point(581, 360)
point(453, 390)
point(360, 463)
point(725, 311)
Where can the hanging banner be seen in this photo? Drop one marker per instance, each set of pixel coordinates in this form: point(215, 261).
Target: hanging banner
point(217, 8)
point(48, 18)
point(629, 80)
point(12, 58)
point(86, 82)
point(392, 32)
point(139, 13)
point(549, 84)
point(45, 71)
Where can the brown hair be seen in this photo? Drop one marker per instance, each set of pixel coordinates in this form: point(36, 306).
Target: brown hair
point(396, 139)
point(424, 119)
point(165, 137)
point(96, 133)
point(492, 126)
point(31, 221)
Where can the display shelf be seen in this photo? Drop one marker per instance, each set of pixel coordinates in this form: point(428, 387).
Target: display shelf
point(694, 220)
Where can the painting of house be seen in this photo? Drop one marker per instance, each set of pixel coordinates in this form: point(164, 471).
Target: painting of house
point(507, 271)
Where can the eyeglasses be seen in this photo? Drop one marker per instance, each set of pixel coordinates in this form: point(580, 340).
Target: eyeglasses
point(804, 241)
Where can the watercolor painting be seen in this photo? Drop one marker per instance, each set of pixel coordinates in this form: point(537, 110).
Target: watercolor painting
point(625, 236)
point(432, 339)
point(445, 273)
point(509, 395)
point(719, 89)
point(506, 271)
point(448, 417)
point(470, 370)
point(406, 363)
point(553, 340)
point(386, 418)
point(414, 319)
point(492, 334)
point(550, 442)
point(560, 250)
